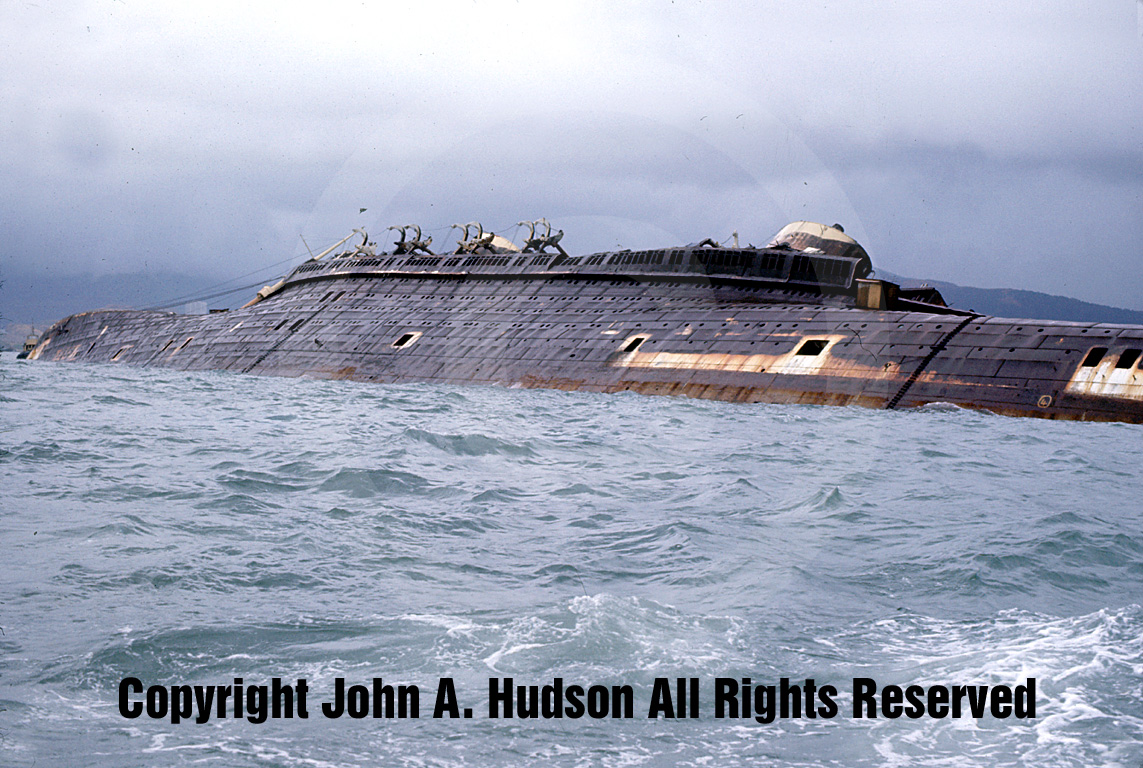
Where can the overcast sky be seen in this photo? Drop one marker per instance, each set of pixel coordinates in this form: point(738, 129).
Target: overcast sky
point(995, 144)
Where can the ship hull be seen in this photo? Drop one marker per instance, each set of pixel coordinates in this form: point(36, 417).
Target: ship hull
point(725, 340)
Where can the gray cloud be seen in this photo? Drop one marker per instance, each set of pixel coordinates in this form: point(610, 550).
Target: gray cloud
point(990, 143)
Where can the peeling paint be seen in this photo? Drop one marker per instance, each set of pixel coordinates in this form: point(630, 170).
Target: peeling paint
point(789, 364)
point(1107, 380)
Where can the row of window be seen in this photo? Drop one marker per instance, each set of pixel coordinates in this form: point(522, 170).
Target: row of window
point(802, 268)
point(810, 347)
point(486, 261)
point(1127, 358)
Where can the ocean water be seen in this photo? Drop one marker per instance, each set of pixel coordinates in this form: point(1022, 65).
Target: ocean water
point(193, 528)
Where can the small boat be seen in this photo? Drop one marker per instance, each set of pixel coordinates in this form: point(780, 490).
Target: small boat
point(29, 344)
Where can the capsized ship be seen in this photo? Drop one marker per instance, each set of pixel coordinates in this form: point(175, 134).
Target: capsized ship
point(801, 320)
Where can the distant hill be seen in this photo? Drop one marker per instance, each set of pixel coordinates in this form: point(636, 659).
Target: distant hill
point(12, 336)
point(41, 300)
point(1012, 302)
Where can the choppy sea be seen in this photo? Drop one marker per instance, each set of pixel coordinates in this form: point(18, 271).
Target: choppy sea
point(193, 528)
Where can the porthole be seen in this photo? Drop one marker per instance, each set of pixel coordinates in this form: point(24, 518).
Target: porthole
point(633, 344)
point(406, 339)
point(1128, 358)
point(813, 347)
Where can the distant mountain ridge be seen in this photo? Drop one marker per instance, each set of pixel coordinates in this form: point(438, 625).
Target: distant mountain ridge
point(1017, 303)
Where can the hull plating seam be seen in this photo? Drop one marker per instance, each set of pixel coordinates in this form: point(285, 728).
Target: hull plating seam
point(937, 349)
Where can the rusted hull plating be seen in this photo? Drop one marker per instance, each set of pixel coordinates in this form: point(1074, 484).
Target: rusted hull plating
point(721, 342)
